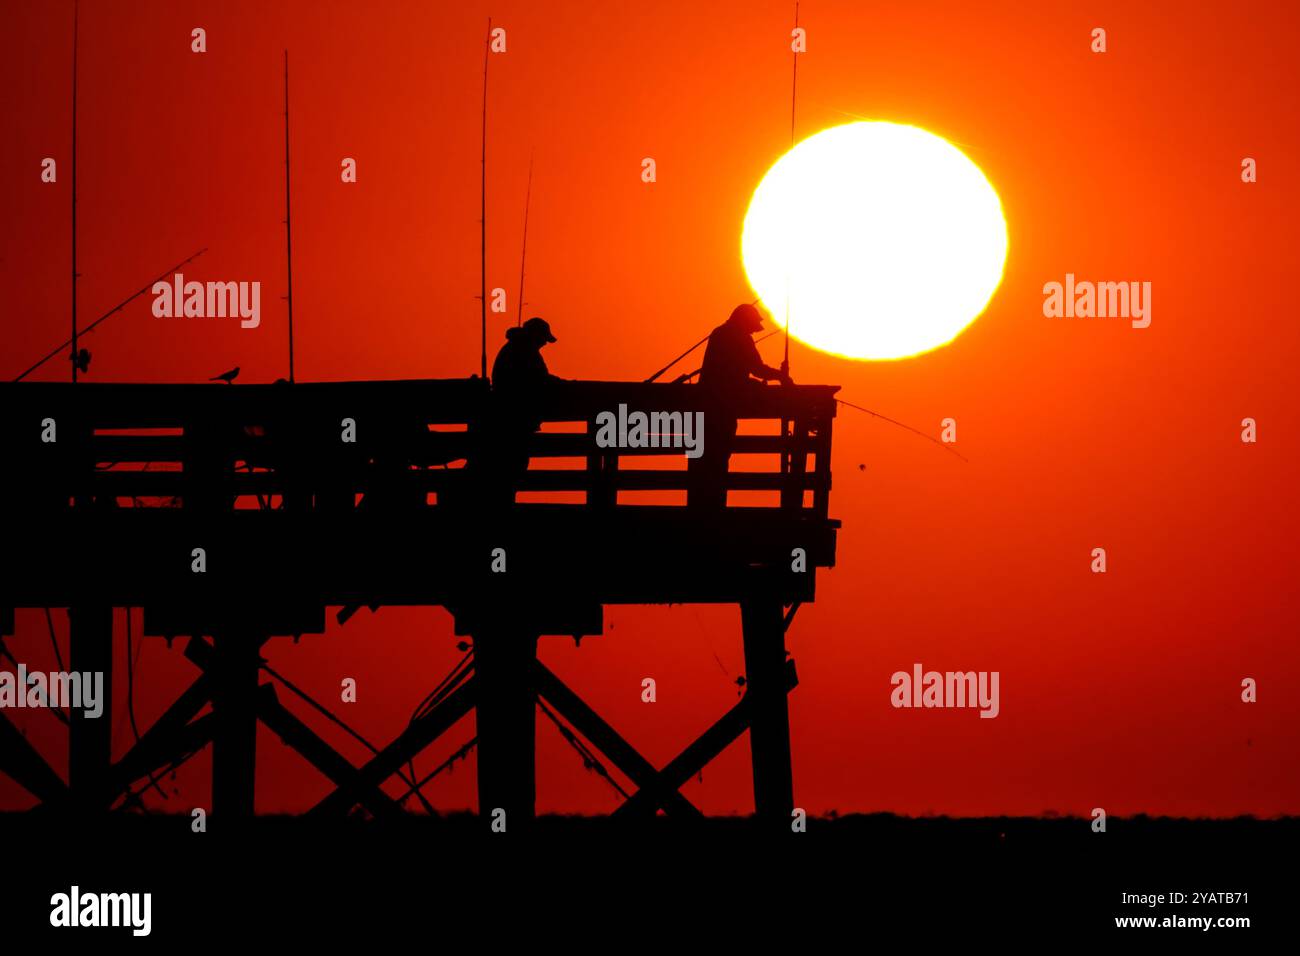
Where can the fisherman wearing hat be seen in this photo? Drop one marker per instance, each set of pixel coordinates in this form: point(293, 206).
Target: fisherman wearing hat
point(731, 357)
point(519, 370)
point(731, 365)
point(519, 377)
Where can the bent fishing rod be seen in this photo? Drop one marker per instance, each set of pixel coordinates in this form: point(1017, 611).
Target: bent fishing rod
point(113, 311)
point(683, 378)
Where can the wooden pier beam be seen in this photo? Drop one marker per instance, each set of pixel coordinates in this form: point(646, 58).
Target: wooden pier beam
point(763, 622)
point(506, 718)
point(234, 676)
point(90, 739)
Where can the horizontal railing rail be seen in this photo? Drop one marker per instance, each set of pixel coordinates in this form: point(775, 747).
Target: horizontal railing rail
point(412, 444)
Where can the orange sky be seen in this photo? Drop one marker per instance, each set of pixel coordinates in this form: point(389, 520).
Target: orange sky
point(1118, 690)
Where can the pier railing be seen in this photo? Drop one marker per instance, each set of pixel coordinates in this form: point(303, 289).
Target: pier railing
point(329, 446)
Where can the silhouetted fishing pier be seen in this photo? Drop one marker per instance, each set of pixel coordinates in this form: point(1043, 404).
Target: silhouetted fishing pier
point(234, 514)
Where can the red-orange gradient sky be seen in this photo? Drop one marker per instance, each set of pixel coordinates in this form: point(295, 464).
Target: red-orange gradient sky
point(1119, 690)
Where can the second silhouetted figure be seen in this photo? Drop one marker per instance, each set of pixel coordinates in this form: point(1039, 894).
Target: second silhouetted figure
point(519, 370)
point(731, 365)
point(519, 378)
point(731, 358)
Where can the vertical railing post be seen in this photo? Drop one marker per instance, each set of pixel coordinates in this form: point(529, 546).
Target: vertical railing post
point(602, 469)
point(795, 457)
point(822, 464)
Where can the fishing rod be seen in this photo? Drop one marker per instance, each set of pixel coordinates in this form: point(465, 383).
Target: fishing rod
point(487, 49)
point(692, 349)
point(678, 359)
point(288, 227)
point(785, 361)
point(689, 375)
point(523, 252)
point(915, 431)
point(787, 458)
point(76, 17)
point(794, 89)
point(113, 311)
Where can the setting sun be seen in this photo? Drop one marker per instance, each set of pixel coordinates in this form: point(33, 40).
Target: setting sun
point(885, 241)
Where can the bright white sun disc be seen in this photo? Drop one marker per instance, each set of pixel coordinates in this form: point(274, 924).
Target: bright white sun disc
point(886, 240)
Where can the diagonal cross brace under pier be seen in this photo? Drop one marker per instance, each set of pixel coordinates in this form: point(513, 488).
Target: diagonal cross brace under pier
point(177, 733)
point(410, 742)
point(162, 751)
point(173, 734)
point(646, 801)
point(590, 724)
point(302, 739)
point(168, 739)
point(21, 761)
point(322, 756)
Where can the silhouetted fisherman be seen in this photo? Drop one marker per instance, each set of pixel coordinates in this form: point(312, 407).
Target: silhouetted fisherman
point(731, 365)
point(519, 379)
point(519, 371)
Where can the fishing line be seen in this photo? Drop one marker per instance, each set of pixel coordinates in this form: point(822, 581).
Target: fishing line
point(915, 431)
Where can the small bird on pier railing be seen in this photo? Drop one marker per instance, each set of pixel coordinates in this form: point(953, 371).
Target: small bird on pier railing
point(227, 377)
